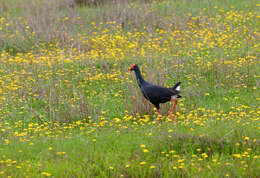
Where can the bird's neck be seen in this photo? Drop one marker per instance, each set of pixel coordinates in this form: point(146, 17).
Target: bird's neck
point(139, 77)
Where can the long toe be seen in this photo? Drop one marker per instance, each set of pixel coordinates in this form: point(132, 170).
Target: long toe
point(172, 116)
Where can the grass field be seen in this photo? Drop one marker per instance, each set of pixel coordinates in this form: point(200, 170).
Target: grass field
point(69, 106)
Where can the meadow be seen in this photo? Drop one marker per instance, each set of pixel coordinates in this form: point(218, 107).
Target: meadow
point(70, 107)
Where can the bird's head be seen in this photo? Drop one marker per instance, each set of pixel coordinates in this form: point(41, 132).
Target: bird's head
point(133, 67)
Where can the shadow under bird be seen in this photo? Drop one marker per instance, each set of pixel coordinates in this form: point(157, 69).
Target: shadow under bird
point(156, 94)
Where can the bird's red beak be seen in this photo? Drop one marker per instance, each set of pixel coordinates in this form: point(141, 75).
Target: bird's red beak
point(132, 67)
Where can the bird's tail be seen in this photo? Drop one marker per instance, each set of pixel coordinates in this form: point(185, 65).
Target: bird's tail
point(177, 86)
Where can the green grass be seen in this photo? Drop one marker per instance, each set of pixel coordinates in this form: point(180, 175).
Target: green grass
point(85, 157)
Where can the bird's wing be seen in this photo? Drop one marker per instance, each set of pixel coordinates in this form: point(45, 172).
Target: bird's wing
point(157, 93)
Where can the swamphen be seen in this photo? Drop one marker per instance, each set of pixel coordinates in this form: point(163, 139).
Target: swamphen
point(156, 94)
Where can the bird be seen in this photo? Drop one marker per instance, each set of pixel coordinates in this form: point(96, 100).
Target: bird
point(156, 94)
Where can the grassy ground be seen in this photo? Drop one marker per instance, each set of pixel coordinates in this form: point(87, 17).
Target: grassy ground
point(69, 106)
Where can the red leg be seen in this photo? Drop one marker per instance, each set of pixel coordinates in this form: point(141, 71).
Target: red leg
point(173, 107)
point(159, 111)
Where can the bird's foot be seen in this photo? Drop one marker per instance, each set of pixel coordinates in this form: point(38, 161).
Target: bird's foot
point(159, 118)
point(172, 116)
